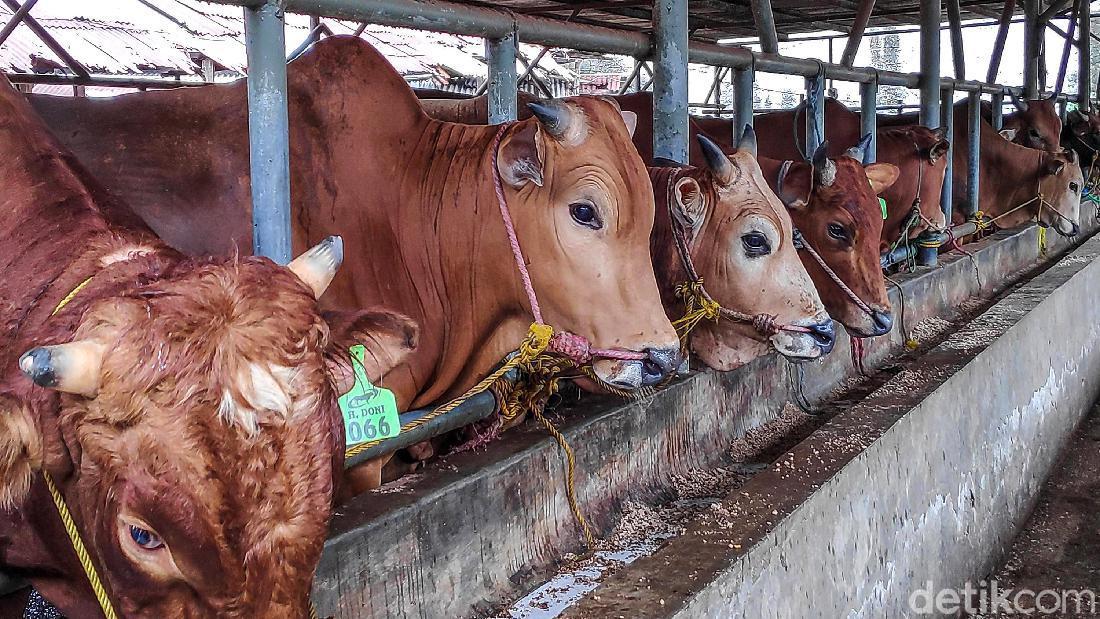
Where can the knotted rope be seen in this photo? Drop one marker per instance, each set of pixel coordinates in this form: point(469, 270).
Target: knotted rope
point(800, 243)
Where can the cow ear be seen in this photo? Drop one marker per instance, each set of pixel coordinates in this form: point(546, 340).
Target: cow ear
point(1053, 166)
point(1074, 117)
point(1008, 134)
point(689, 204)
point(519, 157)
point(881, 176)
point(20, 452)
point(387, 337)
point(939, 149)
point(631, 120)
point(794, 185)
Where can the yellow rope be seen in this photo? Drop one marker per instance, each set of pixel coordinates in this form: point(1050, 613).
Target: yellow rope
point(697, 308)
point(67, 517)
point(570, 480)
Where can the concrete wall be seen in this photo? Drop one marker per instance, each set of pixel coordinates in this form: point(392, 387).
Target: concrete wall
point(926, 481)
point(483, 528)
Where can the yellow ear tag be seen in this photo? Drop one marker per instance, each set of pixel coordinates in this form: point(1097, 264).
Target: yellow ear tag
point(370, 413)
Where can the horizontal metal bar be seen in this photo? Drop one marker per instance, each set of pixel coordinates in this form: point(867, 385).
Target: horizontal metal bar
point(475, 409)
point(900, 255)
point(468, 20)
point(111, 81)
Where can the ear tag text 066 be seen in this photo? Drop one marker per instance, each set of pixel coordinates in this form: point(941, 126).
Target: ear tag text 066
point(370, 413)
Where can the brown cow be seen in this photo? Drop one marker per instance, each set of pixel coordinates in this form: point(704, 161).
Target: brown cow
point(186, 408)
point(833, 203)
point(1036, 122)
point(739, 238)
point(1013, 175)
point(1081, 133)
point(918, 153)
point(434, 245)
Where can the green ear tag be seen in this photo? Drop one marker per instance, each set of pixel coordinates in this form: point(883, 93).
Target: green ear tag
point(370, 413)
point(882, 203)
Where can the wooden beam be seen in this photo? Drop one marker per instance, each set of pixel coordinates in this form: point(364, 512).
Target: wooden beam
point(48, 39)
point(954, 20)
point(859, 24)
point(999, 43)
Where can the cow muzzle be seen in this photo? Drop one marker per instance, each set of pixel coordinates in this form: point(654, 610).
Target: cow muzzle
point(817, 342)
point(1067, 227)
point(630, 375)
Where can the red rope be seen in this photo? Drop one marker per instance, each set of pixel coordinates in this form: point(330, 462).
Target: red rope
point(571, 345)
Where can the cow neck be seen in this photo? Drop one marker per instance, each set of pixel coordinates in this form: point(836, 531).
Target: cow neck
point(667, 264)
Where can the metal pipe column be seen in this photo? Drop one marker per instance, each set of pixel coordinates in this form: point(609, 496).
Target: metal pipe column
point(815, 112)
point(868, 119)
point(1032, 32)
point(973, 153)
point(500, 55)
point(948, 124)
point(1084, 55)
point(742, 104)
point(930, 15)
point(998, 118)
point(765, 26)
point(268, 131)
point(670, 80)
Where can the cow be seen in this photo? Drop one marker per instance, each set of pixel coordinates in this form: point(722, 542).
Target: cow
point(738, 240)
point(1081, 132)
point(433, 244)
point(1013, 177)
point(916, 151)
point(184, 408)
point(1035, 121)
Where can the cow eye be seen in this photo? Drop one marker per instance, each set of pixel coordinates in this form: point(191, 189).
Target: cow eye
point(145, 538)
point(1073, 187)
point(1033, 132)
point(838, 232)
point(756, 244)
point(586, 215)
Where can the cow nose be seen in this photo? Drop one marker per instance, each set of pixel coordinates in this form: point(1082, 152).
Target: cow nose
point(1076, 228)
point(824, 335)
point(883, 322)
point(659, 364)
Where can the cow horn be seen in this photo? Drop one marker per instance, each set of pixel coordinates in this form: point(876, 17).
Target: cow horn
point(748, 140)
point(318, 265)
point(558, 118)
point(1020, 104)
point(717, 160)
point(824, 168)
point(69, 368)
point(858, 151)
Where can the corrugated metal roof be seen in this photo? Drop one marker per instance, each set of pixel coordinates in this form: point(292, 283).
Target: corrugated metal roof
point(143, 37)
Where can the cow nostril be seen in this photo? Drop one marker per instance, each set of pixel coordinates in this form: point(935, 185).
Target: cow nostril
point(658, 364)
point(824, 335)
point(883, 322)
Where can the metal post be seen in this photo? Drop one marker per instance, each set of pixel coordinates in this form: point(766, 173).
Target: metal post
point(815, 112)
point(973, 154)
point(954, 19)
point(868, 119)
point(859, 24)
point(500, 55)
point(999, 43)
point(670, 80)
point(1031, 49)
point(268, 131)
point(930, 63)
point(948, 124)
point(1084, 55)
point(998, 101)
point(742, 102)
point(765, 26)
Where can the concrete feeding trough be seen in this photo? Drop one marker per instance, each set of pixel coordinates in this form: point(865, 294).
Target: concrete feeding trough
point(480, 530)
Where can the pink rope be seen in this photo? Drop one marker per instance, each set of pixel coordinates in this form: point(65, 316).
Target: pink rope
point(571, 345)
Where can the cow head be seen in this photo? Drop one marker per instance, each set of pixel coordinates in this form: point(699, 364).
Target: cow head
point(583, 208)
point(1037, 124)
point(1084, 127)
point(1061, 182)
point(193, 427)
point(740, 240)
point(834, 203)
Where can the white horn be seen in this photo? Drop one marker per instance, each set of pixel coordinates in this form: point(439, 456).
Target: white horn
point(318, 265)
point(69, 368)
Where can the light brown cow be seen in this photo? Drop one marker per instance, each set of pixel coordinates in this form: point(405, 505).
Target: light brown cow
point(185, 408)
point(1036, 123)
point(432, 244)
point(739, 239)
